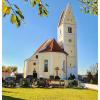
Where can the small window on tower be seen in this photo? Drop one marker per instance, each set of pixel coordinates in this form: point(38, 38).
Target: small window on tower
point(70, 40)
point(69, 29)
point(70, 65)
point(36, 56)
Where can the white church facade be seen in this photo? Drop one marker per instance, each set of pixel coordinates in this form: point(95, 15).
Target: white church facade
point(56, 58)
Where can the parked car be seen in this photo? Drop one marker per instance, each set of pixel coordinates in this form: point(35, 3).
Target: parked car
point(19, 76)
point(10, 82)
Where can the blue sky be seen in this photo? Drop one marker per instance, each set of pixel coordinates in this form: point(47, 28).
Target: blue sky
point(21, 43)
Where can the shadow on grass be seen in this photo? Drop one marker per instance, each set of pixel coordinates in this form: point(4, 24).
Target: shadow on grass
point(8, 92)
point(10, 98)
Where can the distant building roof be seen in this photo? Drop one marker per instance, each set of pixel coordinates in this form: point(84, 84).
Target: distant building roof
point(6, 74)
point(50, 46)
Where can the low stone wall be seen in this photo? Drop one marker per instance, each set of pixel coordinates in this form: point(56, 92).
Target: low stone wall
point(60, 83)
point(91, 86)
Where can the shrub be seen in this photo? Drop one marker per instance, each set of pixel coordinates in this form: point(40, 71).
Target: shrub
point(71, 77)
point(26, 82)
point(41, 82)
point(73, 83)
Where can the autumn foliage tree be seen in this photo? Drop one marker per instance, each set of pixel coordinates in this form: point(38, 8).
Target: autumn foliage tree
point(9, 69)
point(17, 17)
point(89, 7)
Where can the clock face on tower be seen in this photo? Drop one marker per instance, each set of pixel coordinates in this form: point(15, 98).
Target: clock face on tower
point(69, 40)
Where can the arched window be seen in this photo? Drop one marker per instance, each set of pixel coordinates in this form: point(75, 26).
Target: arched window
point(45, 65)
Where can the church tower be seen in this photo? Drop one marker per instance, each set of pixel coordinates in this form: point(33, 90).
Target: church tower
point(67, 38)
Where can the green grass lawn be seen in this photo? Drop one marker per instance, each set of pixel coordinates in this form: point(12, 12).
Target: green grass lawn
point(48, 94)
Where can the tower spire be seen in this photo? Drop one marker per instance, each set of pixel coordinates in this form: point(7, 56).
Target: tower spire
point(67, 12)
point(68, 5)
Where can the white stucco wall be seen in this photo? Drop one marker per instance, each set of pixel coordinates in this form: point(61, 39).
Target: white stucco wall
point(29, 65)
point(55, 59)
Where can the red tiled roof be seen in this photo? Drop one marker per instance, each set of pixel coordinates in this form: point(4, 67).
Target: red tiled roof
point(5, 74)
point(50, 46)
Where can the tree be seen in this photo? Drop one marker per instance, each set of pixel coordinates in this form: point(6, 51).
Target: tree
point(9, 69)
point(92, 74)
point(3, 68)
point(14, 69)
point(71, 77)
point(16, 14)
point(95, 79)
point(89, 7)
point(17, 17)
point(89, 77)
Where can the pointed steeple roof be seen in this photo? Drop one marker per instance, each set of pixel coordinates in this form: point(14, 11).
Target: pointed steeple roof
point(63, 14)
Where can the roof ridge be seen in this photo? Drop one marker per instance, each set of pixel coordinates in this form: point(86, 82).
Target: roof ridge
point(50, 46)
point(41, 46)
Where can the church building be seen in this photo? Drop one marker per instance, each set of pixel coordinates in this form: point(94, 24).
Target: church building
point(56, 59)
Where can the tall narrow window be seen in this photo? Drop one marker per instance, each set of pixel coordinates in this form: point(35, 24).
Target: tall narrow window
point(69, 29)
point(45, 65)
